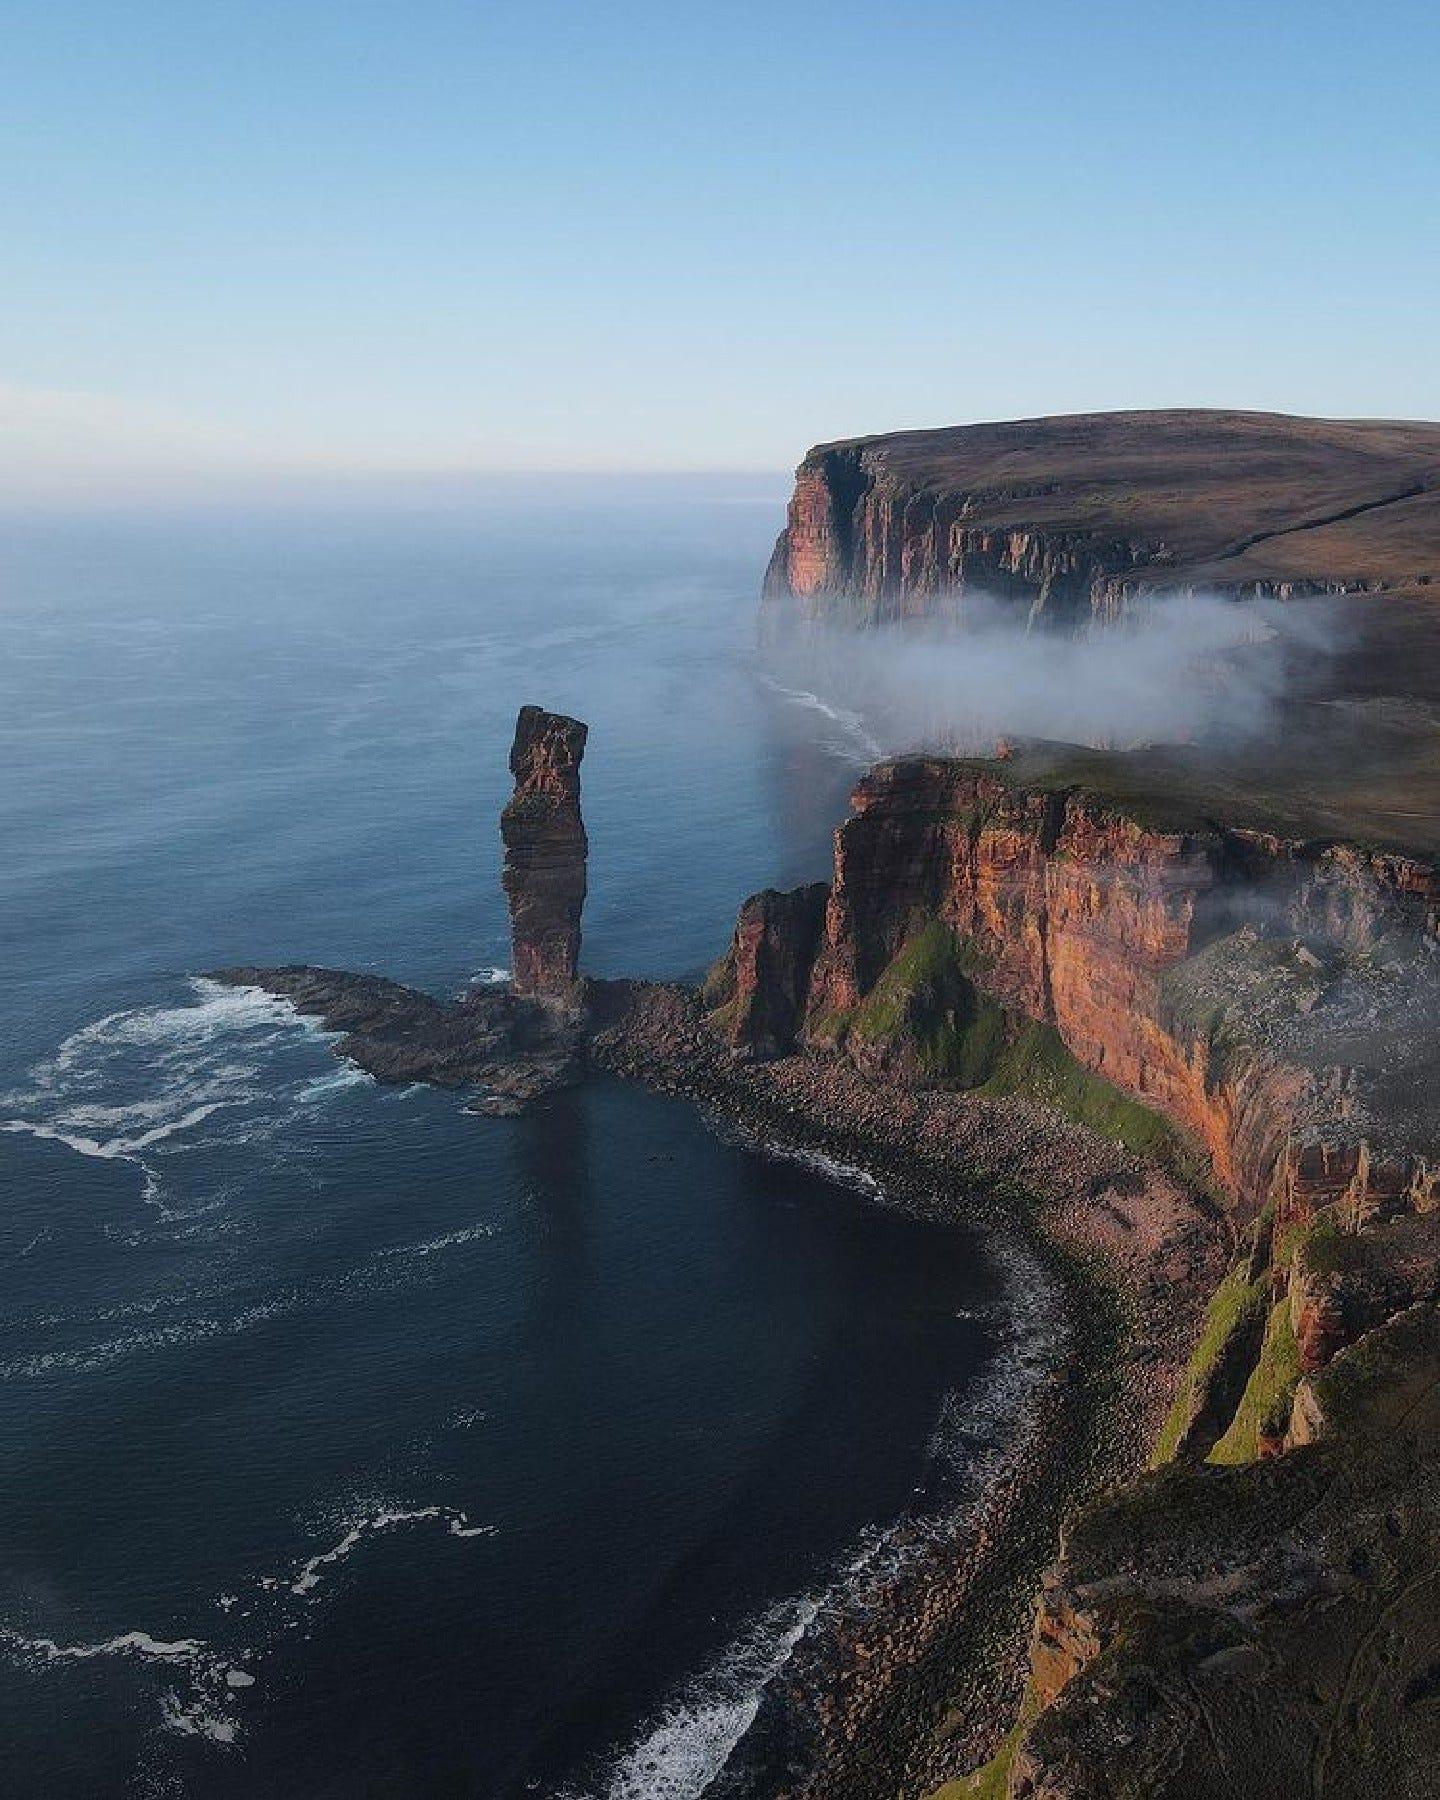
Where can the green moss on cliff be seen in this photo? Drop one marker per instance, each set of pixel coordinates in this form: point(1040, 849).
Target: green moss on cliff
point(926, 1006)
point(1036, 1064)
point(991, 1781)
point(718, 987)
point(924, 968)
point(1237, 1304)
point(1264, 1409)
point(1322, 1248)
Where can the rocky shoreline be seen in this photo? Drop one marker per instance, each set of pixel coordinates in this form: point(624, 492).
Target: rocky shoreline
point(1238, 1008)
point(913, 1678)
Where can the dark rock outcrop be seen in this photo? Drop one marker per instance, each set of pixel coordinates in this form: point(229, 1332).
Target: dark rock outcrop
point(763, 984)
point(545, 852)
point(508, 1048)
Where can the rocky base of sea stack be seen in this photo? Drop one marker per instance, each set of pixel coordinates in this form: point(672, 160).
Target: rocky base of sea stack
point(509, 1049)
point(911, 1677)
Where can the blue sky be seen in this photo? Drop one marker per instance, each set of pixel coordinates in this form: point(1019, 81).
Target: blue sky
point(305, 236)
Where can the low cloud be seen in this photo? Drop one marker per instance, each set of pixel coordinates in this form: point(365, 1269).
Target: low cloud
point(1182, 669)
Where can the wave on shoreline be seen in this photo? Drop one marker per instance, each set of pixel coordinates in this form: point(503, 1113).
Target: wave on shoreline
point(680, 1754)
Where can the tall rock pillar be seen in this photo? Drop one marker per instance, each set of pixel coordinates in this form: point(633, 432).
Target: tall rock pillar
point(545, 851)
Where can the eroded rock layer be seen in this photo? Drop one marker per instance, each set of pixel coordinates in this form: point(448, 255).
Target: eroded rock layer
point(1263, 1012)
point(1261, 1631)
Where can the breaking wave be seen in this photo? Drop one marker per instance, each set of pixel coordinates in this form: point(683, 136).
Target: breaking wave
point(801, 1156)
point(975, 1436)
point(394, 1266)
point(137, 1085)
point(852, 739)
point(679, 1755)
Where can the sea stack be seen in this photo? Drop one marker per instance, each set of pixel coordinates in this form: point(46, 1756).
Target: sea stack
point(545, 851)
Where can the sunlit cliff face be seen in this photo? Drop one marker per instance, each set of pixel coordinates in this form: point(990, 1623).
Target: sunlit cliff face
point(1176, 670)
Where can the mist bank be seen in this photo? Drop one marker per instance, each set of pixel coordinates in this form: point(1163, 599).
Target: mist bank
point(1180, 669)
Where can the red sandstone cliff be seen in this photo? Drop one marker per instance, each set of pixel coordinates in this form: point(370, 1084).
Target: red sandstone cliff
point(1242, 986)
point(1279, 1002)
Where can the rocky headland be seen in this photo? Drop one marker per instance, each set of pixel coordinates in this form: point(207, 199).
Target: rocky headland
point(1077, 515)
point(1261, 1018)
point(1173, 1016)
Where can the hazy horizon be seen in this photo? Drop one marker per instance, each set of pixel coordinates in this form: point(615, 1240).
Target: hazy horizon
point(287, 246)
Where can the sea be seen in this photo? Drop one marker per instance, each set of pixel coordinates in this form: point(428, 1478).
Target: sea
point(352, 1444)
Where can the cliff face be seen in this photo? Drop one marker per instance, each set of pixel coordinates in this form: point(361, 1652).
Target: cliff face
point(1258, 1631)
point(858, 539)
point(762, 989)
point(1073, 516)
point(1277, 1001)
point(545, 852)
point(1244, 987)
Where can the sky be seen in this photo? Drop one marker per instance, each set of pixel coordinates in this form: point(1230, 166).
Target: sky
point(319, 238)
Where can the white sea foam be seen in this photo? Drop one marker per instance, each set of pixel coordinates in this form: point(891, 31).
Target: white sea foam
point(494, 976)
point(144, 1082)
point(817, 1162)
point(213, 1677)
point(686, 1748)
point(468, 1234)
point(198, 1713)
point(312, 1572)
point(127, 1643)
point(348, 1075)
point(1036, 1334)
point(856, 742)
point(397, 1266)
point(98, 1355)
point(196, 1719)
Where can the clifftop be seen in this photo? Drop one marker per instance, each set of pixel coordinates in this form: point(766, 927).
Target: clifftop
point(1073, 519)
point(1072, 512)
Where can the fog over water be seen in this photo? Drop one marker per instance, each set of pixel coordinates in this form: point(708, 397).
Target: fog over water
point(1181, 669)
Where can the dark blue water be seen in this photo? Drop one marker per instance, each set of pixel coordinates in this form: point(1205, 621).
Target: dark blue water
point(351, 1444)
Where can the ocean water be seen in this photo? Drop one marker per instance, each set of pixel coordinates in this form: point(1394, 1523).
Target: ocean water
point(351, 1444)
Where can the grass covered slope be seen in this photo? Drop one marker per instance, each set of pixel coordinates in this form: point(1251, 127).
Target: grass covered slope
point(1227, 1633)
point(926, 1016)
